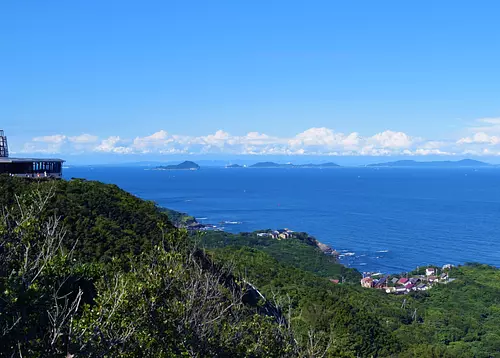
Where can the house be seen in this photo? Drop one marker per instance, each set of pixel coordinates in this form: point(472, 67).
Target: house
point(336, 282)
point(403, 281)
point(390, 289)
point(432, 279)
point(444, 276)
point(285, 233)
point(422, 287)
point(394, 280)
point(382, 283)
point(414, 280)
point(409, 287)
point(447, 267)
point(430, 271)
point(408, 284)
point(275, 234)
point(263, 234)
point(400, 290)
point(367, 282)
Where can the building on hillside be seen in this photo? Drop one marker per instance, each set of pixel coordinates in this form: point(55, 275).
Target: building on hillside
point(414, 280)
point(382, 283)
point(27, 167)
point(403, 281)
point(430, 271)
point(400, 290)
point(367, 282)
point(285, 233)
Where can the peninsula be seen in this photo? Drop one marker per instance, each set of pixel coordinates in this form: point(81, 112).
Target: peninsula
point(187, 165)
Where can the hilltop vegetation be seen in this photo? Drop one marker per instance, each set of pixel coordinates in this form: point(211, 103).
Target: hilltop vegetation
point(299, 252)
point(124, 282)
point(90, 270)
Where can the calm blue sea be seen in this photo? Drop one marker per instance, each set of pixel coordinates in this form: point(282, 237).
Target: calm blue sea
point(387, 219)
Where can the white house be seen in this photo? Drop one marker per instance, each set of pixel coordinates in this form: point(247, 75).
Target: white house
point(430, 271)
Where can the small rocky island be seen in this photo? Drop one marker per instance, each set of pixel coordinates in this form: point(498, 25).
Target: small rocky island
point(187, 165)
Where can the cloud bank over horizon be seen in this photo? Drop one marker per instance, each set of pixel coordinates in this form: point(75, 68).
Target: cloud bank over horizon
point(482, 139)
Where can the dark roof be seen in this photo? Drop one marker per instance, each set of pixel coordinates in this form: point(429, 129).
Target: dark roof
point(29, 160)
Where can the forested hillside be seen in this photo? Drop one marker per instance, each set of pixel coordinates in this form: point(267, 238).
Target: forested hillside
point(87, 270)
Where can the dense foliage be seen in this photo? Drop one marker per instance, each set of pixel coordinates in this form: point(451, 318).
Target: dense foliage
point(87, 269)
point(299, 251)
point(168, 300)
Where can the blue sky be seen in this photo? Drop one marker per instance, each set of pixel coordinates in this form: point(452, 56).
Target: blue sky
point(101, 79)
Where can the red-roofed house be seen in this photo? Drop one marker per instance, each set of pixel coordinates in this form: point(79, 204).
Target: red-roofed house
point(334, 281)
point(403, 281)
point(410, 286)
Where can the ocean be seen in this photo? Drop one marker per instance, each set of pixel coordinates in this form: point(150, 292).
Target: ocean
point(387, 220)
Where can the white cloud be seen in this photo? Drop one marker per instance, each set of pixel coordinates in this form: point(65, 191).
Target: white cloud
point(393, 140)
point(480, 138)
point(84, 139)
point(156, 141)
point(53, 139)
point(486, 125)
point(313, 141)
point(325, 137)
point(51, 144)
point(112, 145)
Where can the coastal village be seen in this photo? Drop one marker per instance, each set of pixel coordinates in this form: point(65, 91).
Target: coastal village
point(392, 284)
point(405, 284)
point(281, 234)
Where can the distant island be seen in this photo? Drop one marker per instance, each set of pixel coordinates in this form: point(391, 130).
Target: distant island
point(290, 165)
point(234, 166)
point(187, 165)
point(434, 164)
